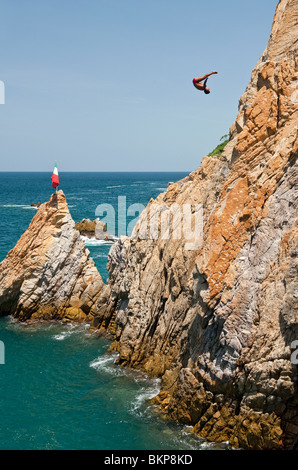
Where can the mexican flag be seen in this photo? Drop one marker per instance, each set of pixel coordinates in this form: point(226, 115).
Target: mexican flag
point(55, 177)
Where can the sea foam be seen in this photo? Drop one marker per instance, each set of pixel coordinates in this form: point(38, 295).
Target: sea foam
point(95, 242)
point(21, 206)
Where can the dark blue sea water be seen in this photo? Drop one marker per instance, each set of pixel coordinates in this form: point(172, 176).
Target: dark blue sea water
point(60, 388)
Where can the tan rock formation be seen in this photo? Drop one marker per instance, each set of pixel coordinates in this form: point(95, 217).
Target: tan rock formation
point(94, 229)
point(217, 324)
point(88, 227)
point(49, 273)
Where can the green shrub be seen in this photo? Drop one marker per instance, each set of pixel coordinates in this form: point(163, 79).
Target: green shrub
point(220, 148)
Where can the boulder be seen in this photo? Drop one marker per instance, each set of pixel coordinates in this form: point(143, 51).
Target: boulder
point(94, 229)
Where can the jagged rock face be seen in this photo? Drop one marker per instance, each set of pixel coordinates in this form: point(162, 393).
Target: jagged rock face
point(218, 323)
point(49, 273)
point(150, 281)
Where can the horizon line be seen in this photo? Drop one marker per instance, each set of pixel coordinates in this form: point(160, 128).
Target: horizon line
point(90, 171)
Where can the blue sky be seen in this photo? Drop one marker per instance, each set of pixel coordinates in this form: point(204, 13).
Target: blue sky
point(106, 85)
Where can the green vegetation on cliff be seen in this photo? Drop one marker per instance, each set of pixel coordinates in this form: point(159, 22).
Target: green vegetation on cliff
point(220, 148)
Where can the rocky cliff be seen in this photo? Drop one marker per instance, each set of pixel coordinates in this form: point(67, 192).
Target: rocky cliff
point(217, 322)
point(49, 273)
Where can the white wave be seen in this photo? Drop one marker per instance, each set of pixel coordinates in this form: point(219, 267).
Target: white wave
point(94, 191)
point(101, 362)
point(106, 364)
point(100, 255)
point(146, 393)
point(70, 329)
point(12, 205)
point(95, 242)
point(117, 186)
point(61, 336)
point(65, 334)
point(22, 206)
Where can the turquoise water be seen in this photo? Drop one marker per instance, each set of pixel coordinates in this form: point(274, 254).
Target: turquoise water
point(60, 389)
point(83, 191)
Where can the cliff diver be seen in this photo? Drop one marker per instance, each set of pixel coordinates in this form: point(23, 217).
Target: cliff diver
point(202, 86)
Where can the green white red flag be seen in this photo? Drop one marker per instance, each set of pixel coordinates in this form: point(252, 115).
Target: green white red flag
point(55, 177)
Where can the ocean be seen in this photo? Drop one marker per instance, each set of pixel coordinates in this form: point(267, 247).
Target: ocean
point(60, 387)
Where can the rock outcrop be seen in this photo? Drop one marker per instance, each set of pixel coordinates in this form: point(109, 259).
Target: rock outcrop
point(49, 274)
point(217, 323)
point(94, 229)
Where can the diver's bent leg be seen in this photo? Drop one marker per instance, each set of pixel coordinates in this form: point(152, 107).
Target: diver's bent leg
point(200, 79)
